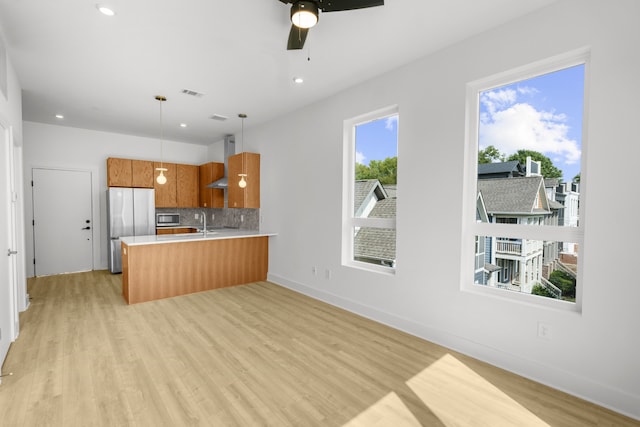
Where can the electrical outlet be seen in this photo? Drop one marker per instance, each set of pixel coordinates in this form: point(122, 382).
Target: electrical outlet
point(544, 331)
point(197, 216)
point(327, 274)
point(213, 216)
point(314, 270)
point(241, 218)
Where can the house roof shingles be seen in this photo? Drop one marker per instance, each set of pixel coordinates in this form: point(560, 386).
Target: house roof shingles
point(376, 243)
point(513, 195)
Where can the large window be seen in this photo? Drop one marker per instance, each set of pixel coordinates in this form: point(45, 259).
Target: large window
point(369, 192)
point(523, 231)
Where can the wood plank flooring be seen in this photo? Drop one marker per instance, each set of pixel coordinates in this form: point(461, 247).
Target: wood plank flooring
point(250, 355)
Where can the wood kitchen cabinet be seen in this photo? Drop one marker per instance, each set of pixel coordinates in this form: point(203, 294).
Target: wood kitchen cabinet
point(180, 230)
point(211, 197)
point(129, 173)
point(166, 194)
point(142, 174)
point(118, 172)
point(188, 183)
point(248, 197)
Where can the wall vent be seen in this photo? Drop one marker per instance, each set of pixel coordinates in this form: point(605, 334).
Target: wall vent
point(192, 93)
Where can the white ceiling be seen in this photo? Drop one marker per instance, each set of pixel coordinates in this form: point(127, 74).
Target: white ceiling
point(103, 73)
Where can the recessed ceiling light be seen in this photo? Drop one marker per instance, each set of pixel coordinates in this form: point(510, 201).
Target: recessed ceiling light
point(298, 80)
point(105, 10)
point(183, 125)
point(59, 116)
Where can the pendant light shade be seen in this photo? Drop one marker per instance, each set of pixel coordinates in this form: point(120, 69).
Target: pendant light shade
point(161, 179)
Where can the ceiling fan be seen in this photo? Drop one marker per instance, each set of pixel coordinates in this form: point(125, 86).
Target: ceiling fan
point(305, 14)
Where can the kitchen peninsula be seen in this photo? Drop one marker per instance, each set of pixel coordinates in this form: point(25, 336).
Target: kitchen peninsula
point(163, 266)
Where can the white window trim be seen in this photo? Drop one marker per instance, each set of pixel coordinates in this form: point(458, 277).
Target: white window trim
point(349, 222)
point(471, 228)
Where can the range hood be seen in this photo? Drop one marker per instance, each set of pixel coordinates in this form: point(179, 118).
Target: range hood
point(229, 150)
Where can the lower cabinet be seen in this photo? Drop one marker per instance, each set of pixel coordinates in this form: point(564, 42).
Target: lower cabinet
point(164, 270)
point(181, 230)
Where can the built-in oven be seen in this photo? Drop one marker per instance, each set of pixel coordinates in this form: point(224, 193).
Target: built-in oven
point(167, 219)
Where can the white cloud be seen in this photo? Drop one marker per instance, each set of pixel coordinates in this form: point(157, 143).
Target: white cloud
point(391, 123)
point(360, 158)
point(510, 126)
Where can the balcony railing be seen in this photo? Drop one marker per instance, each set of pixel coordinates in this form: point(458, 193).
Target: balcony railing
point(518, 247)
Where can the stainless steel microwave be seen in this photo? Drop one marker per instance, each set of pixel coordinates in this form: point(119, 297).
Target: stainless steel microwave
point(167, 219)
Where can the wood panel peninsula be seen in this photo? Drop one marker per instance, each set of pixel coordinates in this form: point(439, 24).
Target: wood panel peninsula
point(163, 266)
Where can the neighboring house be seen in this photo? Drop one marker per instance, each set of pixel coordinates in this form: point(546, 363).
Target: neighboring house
point(568, 194)
point(514, 264)
point(373, 200)
point(511, 193)
point(509, 169)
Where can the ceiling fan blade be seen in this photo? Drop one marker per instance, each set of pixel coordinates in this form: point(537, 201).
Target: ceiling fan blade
point(297, 36)
point(338, 5)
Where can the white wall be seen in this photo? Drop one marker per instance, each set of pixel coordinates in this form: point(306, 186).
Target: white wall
point(594, 354)
point(47, 146)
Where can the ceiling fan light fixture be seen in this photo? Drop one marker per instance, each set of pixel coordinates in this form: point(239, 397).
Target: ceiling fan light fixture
point(304, 14)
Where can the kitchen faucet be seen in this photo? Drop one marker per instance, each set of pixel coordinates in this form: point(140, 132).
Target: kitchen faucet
point(204, 223)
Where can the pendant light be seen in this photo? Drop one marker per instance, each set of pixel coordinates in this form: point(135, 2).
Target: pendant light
point(161, 179)
point(243, 182)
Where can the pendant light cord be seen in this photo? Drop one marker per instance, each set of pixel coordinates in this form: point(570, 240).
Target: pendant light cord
point(161, 137)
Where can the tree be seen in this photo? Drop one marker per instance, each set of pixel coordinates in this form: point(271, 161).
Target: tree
point(564, 281)
point(385, 171)
point(576, 178)
point(489, 155)
point(538, 289)
point(548, 169)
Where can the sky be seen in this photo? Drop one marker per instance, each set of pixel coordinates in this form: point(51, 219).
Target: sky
point(542, 114)
point(377, 140)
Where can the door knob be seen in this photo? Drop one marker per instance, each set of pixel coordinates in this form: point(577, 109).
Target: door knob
point(10, 252)
point(86, 228)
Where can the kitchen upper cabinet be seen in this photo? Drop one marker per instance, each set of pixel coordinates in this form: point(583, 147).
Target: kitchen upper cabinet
point(188, 183)
point(166, 194)
point(248, 197)
point(118, 172)
point(142, 174)
point(211, 197)
point(129, 173)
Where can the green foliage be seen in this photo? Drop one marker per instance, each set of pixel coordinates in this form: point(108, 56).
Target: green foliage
point(548, 169)
point(490, 155)
point(542, 291)
point(576, 178)
point(565, 282)
point(385, 171)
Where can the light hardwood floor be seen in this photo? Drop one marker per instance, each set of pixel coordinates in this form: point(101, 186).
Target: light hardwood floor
point(251, 355)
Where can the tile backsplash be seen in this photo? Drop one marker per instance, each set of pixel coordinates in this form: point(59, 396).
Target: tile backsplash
point(243, 219)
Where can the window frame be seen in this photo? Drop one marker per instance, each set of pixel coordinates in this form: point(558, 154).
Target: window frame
point(349, 221)
point(471, 228)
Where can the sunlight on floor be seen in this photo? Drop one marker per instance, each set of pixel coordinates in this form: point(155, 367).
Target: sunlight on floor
point(459, 396)
point(388, 411)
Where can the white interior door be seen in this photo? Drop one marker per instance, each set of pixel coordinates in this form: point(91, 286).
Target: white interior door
point(63, 224)
point(8, 312)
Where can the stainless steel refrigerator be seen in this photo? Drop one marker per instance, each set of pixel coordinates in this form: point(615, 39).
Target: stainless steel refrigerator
point(131, 212)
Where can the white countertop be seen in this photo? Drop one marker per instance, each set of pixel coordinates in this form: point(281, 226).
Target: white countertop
point(191, 237)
